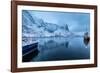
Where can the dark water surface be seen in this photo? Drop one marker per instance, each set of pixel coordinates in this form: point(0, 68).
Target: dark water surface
point(60, 48)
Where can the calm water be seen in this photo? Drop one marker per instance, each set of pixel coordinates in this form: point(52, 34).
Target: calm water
point(60, 48)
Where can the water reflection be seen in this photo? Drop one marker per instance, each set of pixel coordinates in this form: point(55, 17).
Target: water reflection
point(60, 48)
point(52, 43)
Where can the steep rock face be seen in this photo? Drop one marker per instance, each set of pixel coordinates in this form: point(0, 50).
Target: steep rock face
point(34, 27)
point(51, 28)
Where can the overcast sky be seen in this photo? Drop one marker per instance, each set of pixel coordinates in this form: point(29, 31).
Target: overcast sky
point(77, 22)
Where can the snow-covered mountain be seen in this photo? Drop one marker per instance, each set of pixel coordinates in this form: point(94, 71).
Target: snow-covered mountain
point(35, 27)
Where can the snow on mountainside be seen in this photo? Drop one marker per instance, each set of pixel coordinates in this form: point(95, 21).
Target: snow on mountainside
point(34, 27)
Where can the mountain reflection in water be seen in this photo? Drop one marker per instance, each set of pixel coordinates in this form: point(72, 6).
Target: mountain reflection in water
point(61, 48)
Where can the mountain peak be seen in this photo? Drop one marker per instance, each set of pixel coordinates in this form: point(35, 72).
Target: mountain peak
point(40, 28)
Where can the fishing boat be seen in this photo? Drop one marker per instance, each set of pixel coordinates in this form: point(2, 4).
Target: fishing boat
point(86, 38)
point(29, 52)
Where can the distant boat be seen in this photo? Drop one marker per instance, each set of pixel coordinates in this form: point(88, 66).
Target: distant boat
point(86, 38)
